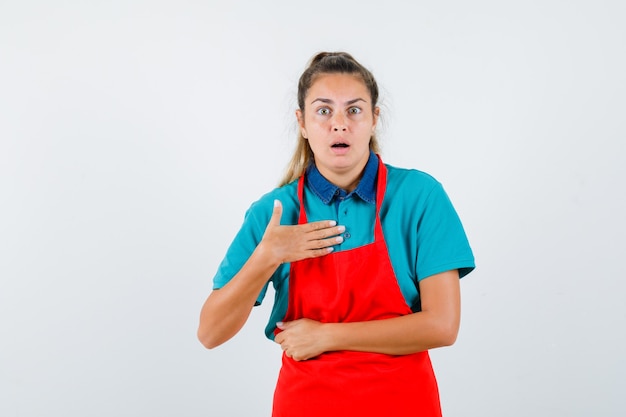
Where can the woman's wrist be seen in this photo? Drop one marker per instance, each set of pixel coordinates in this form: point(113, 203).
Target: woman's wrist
point(265, 257)
point(332, 336)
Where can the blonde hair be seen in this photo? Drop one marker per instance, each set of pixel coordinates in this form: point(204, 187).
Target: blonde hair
point(326, 63)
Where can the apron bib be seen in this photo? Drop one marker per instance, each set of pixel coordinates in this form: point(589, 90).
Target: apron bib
point(350, 286)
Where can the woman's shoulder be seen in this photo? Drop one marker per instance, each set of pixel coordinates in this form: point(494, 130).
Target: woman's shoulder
point(287, 195)
point(401, 180)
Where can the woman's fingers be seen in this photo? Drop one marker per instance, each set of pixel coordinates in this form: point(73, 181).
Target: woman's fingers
point(322, 229)
point(326, 242)
point(319, 225)
point(276, 214)
point(315, 230)
point(301, 339)
point(321, 238)
point(292, 243)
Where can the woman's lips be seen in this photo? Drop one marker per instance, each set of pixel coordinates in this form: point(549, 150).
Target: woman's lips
point(340, 148)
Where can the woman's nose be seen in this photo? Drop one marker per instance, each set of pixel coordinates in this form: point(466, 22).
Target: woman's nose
point(339, 123)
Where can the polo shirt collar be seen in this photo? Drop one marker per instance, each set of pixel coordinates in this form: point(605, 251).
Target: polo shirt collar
point(326, 191)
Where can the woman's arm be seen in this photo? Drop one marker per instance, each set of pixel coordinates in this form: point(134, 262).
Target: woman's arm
point(226, 310)
point(435, 326)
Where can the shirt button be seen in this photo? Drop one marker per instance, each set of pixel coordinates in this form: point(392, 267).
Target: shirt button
point(346, 235)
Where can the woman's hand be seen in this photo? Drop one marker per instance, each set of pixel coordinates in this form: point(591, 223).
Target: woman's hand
point(301, 339)
point(293, 243)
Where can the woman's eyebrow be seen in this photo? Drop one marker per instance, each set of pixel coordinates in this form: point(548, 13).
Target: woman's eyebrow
point(323, 100)
point(329, 101)
point(349, 102)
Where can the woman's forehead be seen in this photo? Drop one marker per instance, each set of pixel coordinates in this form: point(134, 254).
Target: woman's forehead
point(338, 87)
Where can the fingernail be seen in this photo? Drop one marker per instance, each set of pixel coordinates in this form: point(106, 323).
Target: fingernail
point(276, 203)
point(339, 239)
point(332, 223)
point(341, 229)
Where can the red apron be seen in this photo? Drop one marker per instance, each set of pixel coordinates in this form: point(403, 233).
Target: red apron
point(349, 286)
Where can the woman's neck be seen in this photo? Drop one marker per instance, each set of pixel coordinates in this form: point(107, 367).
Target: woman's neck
point(347, 181)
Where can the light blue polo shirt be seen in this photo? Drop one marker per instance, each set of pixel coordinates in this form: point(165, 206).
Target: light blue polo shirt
point(423, 232)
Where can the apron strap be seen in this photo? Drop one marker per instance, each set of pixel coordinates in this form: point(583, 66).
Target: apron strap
point(302, 218)
point(381, 187)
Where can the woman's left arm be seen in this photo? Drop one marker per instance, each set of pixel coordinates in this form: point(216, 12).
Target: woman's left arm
point(436, 325)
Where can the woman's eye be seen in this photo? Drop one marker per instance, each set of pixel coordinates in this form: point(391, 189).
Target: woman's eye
point(354, 110)
point(323, 111)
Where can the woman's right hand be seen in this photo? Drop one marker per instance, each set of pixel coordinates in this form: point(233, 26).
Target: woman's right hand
point(293, 243)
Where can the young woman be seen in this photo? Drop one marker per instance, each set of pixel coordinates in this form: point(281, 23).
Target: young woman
point(365, 259)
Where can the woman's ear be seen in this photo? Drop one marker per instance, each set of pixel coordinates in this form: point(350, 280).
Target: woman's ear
point(300, 118)
point(376, 114)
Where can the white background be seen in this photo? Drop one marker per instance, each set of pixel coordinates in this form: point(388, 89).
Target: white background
point(134, 135)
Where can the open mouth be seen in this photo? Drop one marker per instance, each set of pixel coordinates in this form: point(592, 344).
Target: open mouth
point(340, 145)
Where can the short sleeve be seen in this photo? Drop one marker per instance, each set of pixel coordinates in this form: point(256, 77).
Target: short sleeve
point(442, 242)
point(242, 246)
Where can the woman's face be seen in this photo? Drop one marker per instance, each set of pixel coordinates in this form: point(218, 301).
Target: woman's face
point(338, 122)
